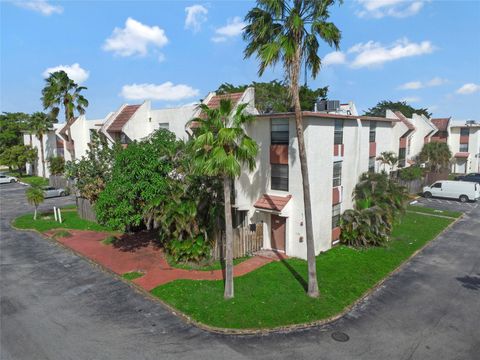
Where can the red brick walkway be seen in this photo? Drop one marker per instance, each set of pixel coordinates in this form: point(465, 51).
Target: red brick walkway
point(147, 259)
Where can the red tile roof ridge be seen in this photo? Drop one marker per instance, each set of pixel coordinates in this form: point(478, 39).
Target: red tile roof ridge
point(272, 202)
point(404, 119)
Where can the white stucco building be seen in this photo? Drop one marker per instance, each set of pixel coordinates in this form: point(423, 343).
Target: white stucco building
point(464, 142)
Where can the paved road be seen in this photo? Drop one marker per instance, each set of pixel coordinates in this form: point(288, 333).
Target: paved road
point(447, 204)
point(55, 305)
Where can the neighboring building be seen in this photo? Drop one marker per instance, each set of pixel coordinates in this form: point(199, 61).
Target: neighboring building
point(464, 142)
point(340, 146)
point(443, 126)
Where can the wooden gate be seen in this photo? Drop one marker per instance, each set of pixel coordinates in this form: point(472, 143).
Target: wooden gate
point(246, 241)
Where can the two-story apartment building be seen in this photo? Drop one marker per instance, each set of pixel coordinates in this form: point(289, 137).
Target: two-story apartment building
point(464, 142)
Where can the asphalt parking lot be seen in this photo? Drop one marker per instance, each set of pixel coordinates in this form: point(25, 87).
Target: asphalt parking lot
point(446, 204)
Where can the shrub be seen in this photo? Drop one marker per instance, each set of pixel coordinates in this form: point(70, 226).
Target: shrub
point(110, 240)
point(188, 250)
point(56, 165)
point(365, 227)
point(411, 173)
point(61, 234)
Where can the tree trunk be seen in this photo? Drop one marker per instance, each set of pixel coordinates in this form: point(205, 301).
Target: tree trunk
point(42, 156)
point(68, 120)
point(312, 266)
point(228, 294)
point(35, 214)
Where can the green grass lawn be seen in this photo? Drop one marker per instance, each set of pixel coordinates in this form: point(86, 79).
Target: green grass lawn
point(274, 295)
point(132, 275)
point(214, 265)
point(31, 180)
point(46, 221)
point(426, 210)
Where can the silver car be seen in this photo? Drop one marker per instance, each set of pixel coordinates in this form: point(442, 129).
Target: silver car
point(5, 179)
point(50, 191)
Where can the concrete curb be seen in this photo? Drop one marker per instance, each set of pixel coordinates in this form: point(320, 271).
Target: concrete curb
point(249, 332)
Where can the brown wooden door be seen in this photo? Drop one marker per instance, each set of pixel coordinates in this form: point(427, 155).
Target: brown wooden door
point(278, 232)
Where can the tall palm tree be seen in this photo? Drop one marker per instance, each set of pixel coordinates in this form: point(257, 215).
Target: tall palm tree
point(436, 155)
point(220, 148)
point(40, 124)
point(288, 31)
point(61, 91)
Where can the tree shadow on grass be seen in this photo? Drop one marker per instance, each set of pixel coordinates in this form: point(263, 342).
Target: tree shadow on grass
point(134, 241)
point(470, 282)
point(292, 270)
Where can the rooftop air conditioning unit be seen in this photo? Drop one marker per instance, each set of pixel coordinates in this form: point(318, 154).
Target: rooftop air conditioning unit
point(327, 105)
point(471, 122)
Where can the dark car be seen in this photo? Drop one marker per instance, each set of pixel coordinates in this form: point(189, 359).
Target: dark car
point(473, 177)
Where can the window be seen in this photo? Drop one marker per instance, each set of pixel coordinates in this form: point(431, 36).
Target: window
point(279, 177)
point(335, 215)
point(279, 132)
point(464, 131)
point(124, 139)
point(409, 145)
point(437, 185)
point(373, 131)
point(338, 135)
point(463, 147)
point(163, 126)
point(337, 173)
point(371, 164)
point(401, 157)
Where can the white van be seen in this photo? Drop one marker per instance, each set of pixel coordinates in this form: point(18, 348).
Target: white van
point(461, 190)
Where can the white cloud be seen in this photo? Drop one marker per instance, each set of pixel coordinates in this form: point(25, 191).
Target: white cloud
point(74, 72)
point(373, 54)
point(394, 8)
point(233, 28)
point(41, 6)
point(414, 85)
point(135, 39)
point(411, 99)
point(166, 91)
point(469, 88)
point(334, 58)
point(196, 16)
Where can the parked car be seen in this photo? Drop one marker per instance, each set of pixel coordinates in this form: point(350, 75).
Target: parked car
point(473, 177)
point(50, 191)
point(4, 179)
point(461, 190)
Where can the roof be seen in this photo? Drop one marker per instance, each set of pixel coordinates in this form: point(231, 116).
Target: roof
point(403, 119)
point(329, 116)
point(272, 202)
point(441, 123)
point(122, 118)
point(214, 102)
point(463, 155)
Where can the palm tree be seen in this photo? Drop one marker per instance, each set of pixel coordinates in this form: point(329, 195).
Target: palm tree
point(387, 158)
point(220, 147)
point(40, 124)
point(61, 91)
point(436, 155)
point(288, 31)
point(35, 197)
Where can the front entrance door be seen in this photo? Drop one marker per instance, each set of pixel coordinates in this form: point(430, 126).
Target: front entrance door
point(278, 232)
point(461, 166)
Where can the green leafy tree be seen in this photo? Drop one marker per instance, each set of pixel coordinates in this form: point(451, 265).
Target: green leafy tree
point(35, 197)
point(40, 124)
point(15, 157)
point(274, 96)
point(436, 156)
point(141, 175)
point(381, 108)
point(220, 148)
point(288, 32)
point(94, 170)
point(387, 158)
point(61, 91)
point(11, 127)
point(56, 165)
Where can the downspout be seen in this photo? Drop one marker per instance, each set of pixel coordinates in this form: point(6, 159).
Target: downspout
point(357, 157)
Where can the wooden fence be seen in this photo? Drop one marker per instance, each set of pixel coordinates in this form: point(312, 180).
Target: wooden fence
point(246, 241)
point(416, 186)
point(85, 209)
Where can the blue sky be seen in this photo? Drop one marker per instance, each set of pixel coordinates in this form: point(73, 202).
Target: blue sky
point(175, 52)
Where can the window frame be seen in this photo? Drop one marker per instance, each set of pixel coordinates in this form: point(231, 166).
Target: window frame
point(337, 176)
point(463, 130)
point(372, 135)
point(279, 184)
point(463, 150)
point(336, 214)
point(338, 132)
point(282, 140)
point(371, 164)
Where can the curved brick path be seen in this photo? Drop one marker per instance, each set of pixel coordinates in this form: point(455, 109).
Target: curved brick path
point(148, 259)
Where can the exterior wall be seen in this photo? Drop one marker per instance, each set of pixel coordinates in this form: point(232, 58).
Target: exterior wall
point(80, 131)
point(473, 160)
point(175, 118)
point(423, 128)
point(140, 124)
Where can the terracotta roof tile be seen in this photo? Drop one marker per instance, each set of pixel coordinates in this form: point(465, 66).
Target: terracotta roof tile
point(463, 155)
point(272, 202)
point(122, 118)
point(441, 123)
point(214, 102)
point(403, 119)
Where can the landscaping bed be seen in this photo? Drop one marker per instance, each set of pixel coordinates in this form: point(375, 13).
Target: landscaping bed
point(274, 295)
point(210, 266)
point(46, 221)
